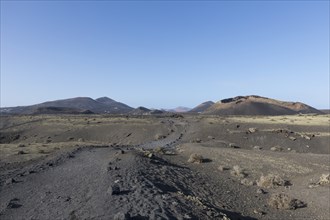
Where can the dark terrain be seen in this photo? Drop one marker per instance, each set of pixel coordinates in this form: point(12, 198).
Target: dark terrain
point(136, 167)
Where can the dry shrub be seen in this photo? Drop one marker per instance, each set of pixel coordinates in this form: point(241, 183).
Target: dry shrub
point(324, 179)
point(196, 158)
point(270, 181)
point(247, 182)
point(238, 171)
point(283, 201)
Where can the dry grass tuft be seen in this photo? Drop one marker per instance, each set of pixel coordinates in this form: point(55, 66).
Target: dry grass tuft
point(270, 181)
point(283, 201)
point(196, 158)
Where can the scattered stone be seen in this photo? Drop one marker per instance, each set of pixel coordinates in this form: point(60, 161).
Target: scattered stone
point(70, 138)
point(21, 152)
point(159, 136)
point(307, 146)
point(197, 140)
point(210, 137)
point(14, 204)
point(306, 137)
point(259, 212)
point(122, 151)
point(115, 189)
point(257, 148)
point(122, 216)
point(223, 168)
point(252, 130)
point(232, 145)
point(186, 216)
point(260, 191)
point(10, 181)
point(21, 145)
point(292, 138)
point(81, 140)
point(289, 149)
point(276, 148)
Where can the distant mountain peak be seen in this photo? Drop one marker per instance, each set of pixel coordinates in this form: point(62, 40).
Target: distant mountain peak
point(179, 109)
point(105, 99)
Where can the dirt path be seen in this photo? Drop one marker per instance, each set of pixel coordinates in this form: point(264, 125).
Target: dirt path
point(103, 183)
point(106, 183)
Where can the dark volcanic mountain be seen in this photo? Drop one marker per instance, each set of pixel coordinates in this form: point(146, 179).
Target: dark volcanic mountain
point(256, 105)
point(140, 111)
point(60, 110)
point(79, 104)
point(202, 107)
point(116, 107)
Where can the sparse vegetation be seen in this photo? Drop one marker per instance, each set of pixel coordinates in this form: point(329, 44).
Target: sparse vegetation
point(283, 201)
point(196, 158)
point(270, 181)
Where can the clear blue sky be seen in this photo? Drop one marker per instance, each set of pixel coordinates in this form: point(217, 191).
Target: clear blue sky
point(166, 53)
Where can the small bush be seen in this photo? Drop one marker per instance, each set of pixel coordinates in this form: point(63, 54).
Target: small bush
point(195, 158)
point(238, 171)
point(283, 201)
point(247, 182)
point(324, 179)
point(271, 181)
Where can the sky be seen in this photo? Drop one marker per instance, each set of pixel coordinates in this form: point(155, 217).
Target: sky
point(163, 54)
